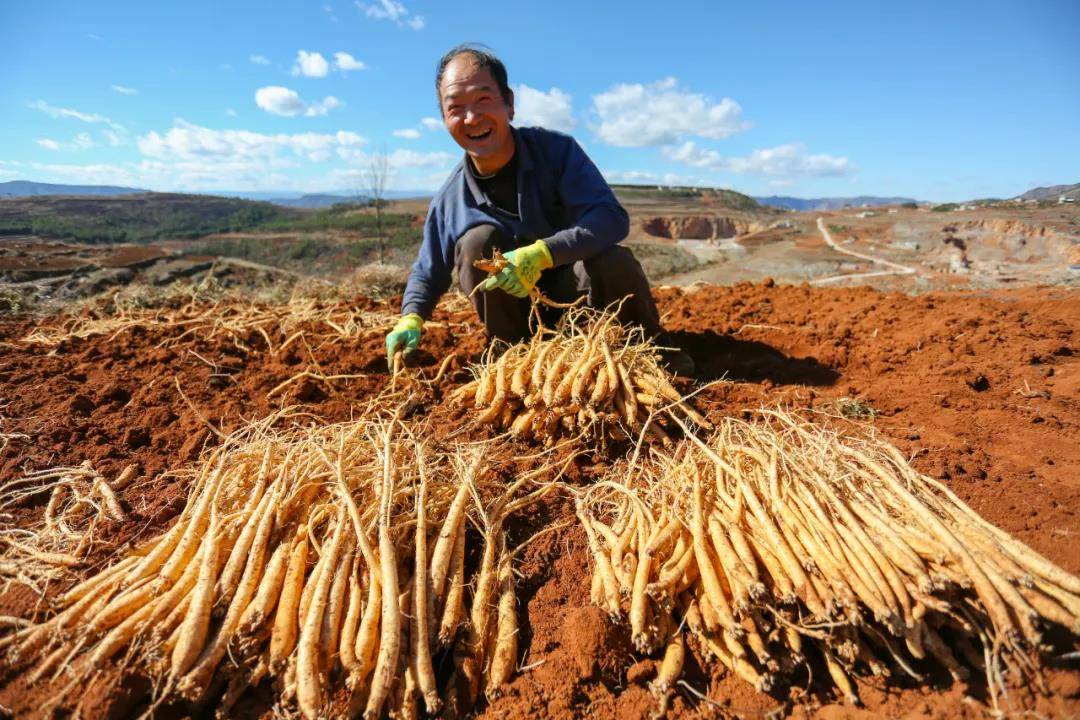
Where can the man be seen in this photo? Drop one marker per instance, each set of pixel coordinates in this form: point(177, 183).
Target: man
point(536, 196)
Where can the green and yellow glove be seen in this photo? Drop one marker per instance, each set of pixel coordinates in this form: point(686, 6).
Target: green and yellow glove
point(520, 276)
point(405, 336)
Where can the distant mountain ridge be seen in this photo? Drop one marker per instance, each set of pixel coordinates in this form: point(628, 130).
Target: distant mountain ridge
point(315, 200)
point(1052, 192)
point(24, 188)
point(29, 188)
point(835, 203)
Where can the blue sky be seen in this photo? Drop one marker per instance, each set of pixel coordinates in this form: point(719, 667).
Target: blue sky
point(934, 100)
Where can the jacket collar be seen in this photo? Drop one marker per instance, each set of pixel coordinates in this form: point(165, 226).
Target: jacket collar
point(524, 164)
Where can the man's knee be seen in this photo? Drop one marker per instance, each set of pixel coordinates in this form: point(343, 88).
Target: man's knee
point(478, 242)
point(616, 260)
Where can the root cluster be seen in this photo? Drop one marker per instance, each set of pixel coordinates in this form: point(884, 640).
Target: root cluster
point(591, 377)
point(330, 559)
point(779, 546)
point(232, 318)
point(79, 499)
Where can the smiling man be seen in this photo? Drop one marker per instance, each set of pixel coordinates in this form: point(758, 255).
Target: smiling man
point(533, 194)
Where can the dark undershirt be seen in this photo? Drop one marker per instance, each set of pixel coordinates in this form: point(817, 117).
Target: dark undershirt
point(501, 188)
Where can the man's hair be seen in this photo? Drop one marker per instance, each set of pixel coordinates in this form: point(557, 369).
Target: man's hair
point(485, 60)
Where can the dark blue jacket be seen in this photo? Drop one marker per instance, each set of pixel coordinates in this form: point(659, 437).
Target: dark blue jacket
point(562, 199)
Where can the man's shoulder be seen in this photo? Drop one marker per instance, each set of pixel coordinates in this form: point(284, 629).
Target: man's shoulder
point(450, 190)
point(545, 138)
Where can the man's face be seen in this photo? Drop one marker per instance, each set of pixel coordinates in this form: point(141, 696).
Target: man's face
point(475, 113)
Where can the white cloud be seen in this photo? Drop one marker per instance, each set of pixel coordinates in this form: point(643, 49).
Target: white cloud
point(87, 174)
point(59, 112)
point(344, 62)
point(411, 159)
point(230, 112)
point(384, 10)
point(552, 109)
point(125, 90)
point(425, 124)
point(637, 115)
point(630, 176)
point(329, 10)
point(82, 141)
point(401, 158)
point(784, 161)
point(114, 139)
point(258, 60)
point(279, 100)
point(190, 157)
point(311, 64)
point(409, 170)
point(394, 11)
point(690, 154)
point(186, 140)
point(645, 177)
point(321, 107)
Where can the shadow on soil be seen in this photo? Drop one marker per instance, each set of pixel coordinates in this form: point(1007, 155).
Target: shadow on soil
point(718, 356)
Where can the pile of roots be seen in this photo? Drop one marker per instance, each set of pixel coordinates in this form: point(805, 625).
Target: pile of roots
point(79, 499)
point(590, 378)
point(778, 546)
point(330, 559)
point(230, 317)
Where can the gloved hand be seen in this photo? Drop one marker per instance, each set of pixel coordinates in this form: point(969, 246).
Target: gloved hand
point(405, 336)
point(520, 276)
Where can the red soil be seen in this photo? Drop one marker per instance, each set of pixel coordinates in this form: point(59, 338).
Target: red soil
point(982, 389)
point(40, 256)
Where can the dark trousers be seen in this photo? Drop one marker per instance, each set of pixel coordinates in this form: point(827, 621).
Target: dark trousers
point(605, 278)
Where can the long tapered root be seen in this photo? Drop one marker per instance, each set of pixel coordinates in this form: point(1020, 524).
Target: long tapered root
point(312, 556)
point(778, 544)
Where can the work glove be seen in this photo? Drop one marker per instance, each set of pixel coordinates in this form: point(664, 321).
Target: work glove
point(405, 336)
point(520, 276)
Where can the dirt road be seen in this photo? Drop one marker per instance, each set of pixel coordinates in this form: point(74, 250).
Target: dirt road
point(897, 268)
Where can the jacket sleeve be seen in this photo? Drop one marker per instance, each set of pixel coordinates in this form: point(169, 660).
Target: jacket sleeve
point(599, 221)
point(430, 274)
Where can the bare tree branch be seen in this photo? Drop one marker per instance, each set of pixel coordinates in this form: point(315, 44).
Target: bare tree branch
point(375, 179)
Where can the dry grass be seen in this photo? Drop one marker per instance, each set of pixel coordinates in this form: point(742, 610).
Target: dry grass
point(231, 317)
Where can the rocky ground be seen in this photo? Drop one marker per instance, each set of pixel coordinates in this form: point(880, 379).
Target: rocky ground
point(984, 248)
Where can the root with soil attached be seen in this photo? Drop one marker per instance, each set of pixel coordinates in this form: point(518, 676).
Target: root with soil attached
point(779, 545)
point(590, 377)
point(323, 557)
